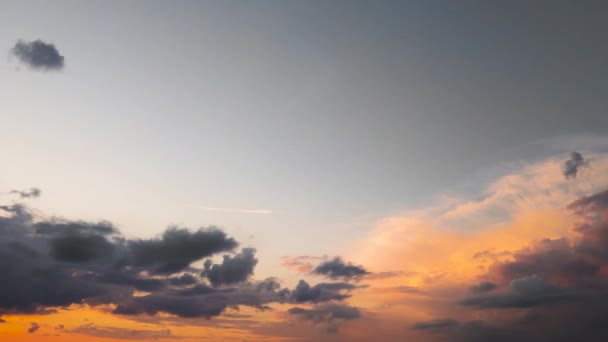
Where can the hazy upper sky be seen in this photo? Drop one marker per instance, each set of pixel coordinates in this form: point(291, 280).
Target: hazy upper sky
point(315, 119)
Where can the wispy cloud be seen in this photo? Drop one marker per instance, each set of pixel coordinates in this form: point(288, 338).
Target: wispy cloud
point(235, 210)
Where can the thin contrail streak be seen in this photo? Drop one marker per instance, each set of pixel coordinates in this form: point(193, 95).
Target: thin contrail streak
point(236, 210)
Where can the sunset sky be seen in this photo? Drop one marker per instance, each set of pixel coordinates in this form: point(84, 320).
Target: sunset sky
point(304, 170)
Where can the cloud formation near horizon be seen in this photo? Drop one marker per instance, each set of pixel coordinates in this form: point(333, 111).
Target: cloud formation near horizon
point(38, 54)
point(50, 263)
point(559, 286)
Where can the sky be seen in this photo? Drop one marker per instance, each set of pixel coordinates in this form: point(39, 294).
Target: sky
point(303, 170)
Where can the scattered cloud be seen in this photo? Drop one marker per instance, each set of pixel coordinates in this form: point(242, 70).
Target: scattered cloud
point(232, 269)
point(337, 268)
point(33, 328)
point(38, 54)
point(28, 193)
point(178, 247)
point(572, 165)
point(321, 292)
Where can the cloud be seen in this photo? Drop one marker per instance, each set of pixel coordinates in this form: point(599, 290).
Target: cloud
point(33, 328)
point(439, 325)
point(524, 293)
point(184, 279)
point(329, 314)
point(28, 193)
point(178, 247)
point(232, 269)
point(38, 54)
point(337, 268)
point(321, 292)
point(572, 165)
point(483, 287)
point(556, 289)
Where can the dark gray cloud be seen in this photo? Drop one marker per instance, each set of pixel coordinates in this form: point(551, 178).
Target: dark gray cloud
point(328, 314)
point(590, 205)
point(38, 54)
point(321, 292)
point(177, 248)
point(572, 165)
point(33, 327)
point(337, 268)
point(57, 262)
point(232, 269)
point(29, 278)
point(184, 306)
point(439, 325)
point(28, 193)
point(483, 287)
point(205, 301)
point(523, 293)
point(49, 263)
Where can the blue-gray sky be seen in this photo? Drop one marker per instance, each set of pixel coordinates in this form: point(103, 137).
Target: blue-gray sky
point(330, 114)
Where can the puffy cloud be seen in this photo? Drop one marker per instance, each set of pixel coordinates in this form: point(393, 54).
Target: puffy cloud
point(177, 248)
point(321, 292)
point(38, 54)
point(337, 268)
point(572, 165)
point(232, 269)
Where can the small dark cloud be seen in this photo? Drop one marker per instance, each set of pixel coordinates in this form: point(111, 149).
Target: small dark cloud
point(177, 248)
point(33, 328)
point(321, 292)
point(59, 327)
point(483, 287)
point(440, 325)
point(232, 269)
point(572, 165)
point(337, 268)
point(38, 54)
point(28, 193)
point(328, 314)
